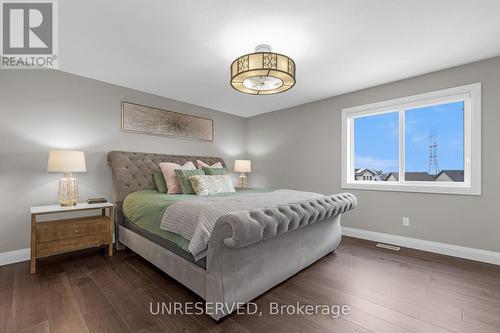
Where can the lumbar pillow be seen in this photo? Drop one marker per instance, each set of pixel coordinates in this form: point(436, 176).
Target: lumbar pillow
point(202, 164)
point(160, 182)
point(214, 171)
point(183, 175)
point(205, 185)
point(168, 170)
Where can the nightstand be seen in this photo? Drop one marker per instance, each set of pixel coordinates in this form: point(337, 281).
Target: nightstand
point(66, 235)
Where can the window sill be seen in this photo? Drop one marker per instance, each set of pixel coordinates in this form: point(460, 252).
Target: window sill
point(460, 189)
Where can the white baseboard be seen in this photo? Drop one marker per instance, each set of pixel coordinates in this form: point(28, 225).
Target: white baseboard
point(412, 243)
point(12, 257)
point(424, 245)
point(16, 256)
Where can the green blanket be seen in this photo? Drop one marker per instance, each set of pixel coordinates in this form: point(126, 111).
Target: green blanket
point(146, 208)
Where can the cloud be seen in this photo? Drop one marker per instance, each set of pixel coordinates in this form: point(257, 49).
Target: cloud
point(394, 128)
point(419, 138)
point(454, 144)
point(375, 163)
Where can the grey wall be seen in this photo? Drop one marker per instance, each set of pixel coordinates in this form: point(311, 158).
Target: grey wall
point(293, 148)
point(43, 110)
point(300, 148)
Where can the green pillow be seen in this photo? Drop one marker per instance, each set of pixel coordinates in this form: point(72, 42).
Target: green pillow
point(214, 171)
point(183, 175)
point(160, 182)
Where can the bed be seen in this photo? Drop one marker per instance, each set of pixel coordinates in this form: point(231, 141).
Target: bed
point(244, 246)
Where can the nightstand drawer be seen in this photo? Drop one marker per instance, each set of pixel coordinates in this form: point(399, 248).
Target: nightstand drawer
point(72, 228)
point(44, 249)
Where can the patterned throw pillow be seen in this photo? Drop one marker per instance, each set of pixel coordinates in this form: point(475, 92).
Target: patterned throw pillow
point(214, 171)
point(183, 175)
point(168, 170)
point(160, 182)
point(205, 185)
point(202, 164)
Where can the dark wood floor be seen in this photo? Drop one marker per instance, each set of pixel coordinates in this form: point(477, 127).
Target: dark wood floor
point(409, 291)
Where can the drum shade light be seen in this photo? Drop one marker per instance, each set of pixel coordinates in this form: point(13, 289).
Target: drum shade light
point(263, 72)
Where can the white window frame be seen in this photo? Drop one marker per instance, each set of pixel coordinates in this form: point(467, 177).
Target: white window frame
point(470, 94)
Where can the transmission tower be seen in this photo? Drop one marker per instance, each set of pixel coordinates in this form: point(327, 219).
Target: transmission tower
point(433, 154)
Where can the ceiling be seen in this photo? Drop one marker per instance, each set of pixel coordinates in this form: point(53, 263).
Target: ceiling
point(182, 49)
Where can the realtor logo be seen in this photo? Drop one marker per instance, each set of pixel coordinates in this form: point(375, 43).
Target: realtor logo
point(29, 34)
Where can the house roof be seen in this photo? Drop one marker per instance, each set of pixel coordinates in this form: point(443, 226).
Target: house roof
point(411, 176)
point(388, 175)
point(362, 170)
point(418, 176)
point(455, 175)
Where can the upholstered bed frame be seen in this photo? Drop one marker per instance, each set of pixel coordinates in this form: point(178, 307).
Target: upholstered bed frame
point(248, 252)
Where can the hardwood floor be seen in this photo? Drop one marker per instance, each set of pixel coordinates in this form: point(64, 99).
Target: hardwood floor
point(409, 291)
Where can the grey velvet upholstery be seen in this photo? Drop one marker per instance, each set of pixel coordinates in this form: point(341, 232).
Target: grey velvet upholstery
point(132, 171)
point(236, 275)
point(181, 269)
point(248, 253)
point(260, 224)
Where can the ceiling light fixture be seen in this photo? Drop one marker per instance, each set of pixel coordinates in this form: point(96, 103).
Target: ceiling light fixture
point(263, 72)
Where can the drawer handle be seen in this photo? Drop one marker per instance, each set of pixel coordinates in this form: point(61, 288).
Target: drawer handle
point(76, 230)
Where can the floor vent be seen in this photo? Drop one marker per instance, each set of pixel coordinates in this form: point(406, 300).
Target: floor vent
point(388, 247)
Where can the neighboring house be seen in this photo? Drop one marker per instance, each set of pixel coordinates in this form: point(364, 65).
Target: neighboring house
point(419, 177)
point(450, 176)
point(409, 176)
point(391, 177)
point(366, 174)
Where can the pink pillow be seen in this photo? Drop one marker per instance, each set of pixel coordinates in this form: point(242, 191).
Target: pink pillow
point(168, 170)
point(202, 164)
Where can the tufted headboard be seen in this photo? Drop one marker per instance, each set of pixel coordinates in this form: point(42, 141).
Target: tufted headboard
point(133, 172)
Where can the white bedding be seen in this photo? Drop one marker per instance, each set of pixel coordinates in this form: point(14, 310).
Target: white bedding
point(195, 219)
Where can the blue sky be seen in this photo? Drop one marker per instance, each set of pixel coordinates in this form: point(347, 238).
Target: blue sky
point(376, 138)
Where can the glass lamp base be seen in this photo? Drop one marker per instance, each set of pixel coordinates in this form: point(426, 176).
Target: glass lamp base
point(243, 181)
point(68, 190)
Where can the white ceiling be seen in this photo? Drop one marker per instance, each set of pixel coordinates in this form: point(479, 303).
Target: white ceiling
point(182, 49)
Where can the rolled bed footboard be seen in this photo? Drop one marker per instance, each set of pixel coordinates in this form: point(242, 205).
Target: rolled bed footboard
point(245, 247)
point(256, 225)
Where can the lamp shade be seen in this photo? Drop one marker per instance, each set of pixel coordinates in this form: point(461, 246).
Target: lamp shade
point(243, 166)
point(66, 161)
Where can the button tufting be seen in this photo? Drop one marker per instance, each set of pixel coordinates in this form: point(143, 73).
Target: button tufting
point(270, 222)
point(143, 165)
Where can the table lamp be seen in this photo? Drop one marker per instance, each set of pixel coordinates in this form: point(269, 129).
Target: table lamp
point(243, 166)
point(67, 162)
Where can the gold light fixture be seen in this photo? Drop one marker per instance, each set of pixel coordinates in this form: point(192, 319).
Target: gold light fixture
point(263, 72)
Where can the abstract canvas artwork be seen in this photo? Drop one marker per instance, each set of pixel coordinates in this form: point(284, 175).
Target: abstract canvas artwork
point(153, 121)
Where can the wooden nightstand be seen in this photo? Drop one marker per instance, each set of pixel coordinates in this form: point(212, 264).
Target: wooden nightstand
point(61, 236)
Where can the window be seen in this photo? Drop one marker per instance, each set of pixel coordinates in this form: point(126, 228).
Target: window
point(376, 145)
point(424, 143)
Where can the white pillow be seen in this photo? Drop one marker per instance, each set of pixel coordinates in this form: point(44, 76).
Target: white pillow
point(168, 170)
point(202, 165)
point(205, 185)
